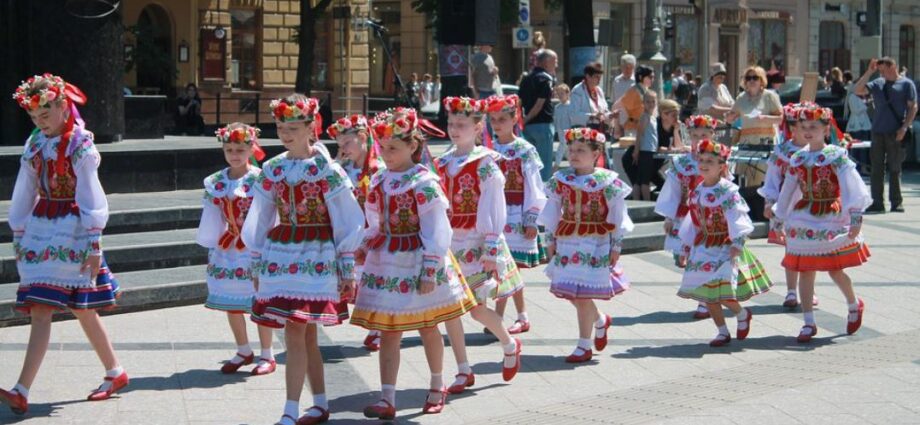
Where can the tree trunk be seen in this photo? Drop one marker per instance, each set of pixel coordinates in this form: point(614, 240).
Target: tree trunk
point(307, 43)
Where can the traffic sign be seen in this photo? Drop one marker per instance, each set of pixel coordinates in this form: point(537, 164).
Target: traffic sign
point(524, 13)
point(522, 37)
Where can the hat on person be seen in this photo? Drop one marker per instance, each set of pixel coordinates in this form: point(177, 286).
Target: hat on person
point(716, 69)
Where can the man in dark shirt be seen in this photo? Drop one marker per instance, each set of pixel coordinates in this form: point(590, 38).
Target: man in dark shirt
point(895, 99)
point(536, 94)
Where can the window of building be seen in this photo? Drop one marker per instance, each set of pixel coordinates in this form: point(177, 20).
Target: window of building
point(907, 49)
point(832, 51)
point(246, 66)
point(767, 43)
point(683, 48)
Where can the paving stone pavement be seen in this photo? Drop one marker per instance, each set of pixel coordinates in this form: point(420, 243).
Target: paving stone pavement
point(658, 367)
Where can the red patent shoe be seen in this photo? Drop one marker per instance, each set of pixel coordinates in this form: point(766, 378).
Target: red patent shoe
point(118, 383)
point(435, 408)
point(264, 367)
point(853, 326)
point(743, 333)
point(791, 301)
point(509, 372)
point(720, 340)
point(580, 358)
point(313, 420)
point(601, 343)
point(17, 402)
point(804, 337)
point(376, 411)
point(519, 327)
point(699, 314)
point(372, 342)
point(469, 381)
point(231, 367)
point(283, 417)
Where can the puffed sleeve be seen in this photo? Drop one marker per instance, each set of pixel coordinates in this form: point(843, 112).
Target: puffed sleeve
point(25, 196)
point(618, 213)
point(534, 197)
point(686, 234)
point(94, 208)
point(789, 195)
point(773, 181)
point(347, 219)
point(669, 196)
point(261, 217)
point(212, 224)
point(491, 214)
point(552, 213)
point(736, 215)
point(853, 192)
point(435, 231)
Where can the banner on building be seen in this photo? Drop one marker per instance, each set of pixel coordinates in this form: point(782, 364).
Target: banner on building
point(213, 56)
point(454, 60)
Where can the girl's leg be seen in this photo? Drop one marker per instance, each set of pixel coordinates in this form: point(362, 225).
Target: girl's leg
point(457, 339)
point(98, 338)
point(519, 305)
point(315, 373)
point(807, 290)
point(646, 192)
point(265, 342)
point(854, 304)
point(238, 327)
point(295, 337)
point(389, 369)
point(39, 338)
point(501, 304)
point(434, 353)
point(792, 281)
point(493, 322)
point(718, 317)
point(743, 316)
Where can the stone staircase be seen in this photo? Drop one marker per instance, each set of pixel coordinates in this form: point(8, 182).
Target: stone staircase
point(150, 238)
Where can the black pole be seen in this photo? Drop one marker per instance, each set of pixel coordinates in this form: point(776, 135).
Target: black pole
point(402, 95)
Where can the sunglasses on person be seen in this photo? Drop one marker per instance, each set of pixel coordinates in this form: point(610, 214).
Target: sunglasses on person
point(751, 78)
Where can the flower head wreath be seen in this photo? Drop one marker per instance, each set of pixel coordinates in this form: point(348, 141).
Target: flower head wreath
point(707, 146)
point(703, 121)
point(464, 106)
point(244, 134)
point(345, 125)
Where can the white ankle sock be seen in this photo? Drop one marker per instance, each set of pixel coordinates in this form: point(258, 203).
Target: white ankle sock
point(374, 333)
point(742, 319)
point(291, 407)
point(436, 382)
point(854, 312)
point(792, 294)
point(267, 354)
point(702, 308)
point(388, 393)
point(464, 368)
point(584, 343)
point(113, 373)
point(599, 326)
point(509, 349)
point(245, 350)
point(523, 317)
point(22, 390)
point(809, 318)
point(319, 400)
point(723, 330)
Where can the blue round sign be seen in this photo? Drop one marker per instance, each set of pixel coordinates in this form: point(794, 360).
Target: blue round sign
point(524, 14)
point(523, 34)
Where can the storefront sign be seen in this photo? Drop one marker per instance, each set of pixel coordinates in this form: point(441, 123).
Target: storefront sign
point(213, 56)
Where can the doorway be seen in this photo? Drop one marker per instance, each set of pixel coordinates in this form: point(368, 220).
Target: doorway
point(156, 69)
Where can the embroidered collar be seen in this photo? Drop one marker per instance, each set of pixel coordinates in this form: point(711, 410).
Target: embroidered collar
point(829, 154)
point(37, 142)
point(686, 165)
point(398, 182)
point(313, 168)
point(723, 193)
point(593, 182)
point(221, 185)
point(451, 157)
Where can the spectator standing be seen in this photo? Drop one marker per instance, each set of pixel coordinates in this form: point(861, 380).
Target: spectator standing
point(562, 121)
point(588, 98)
point(485, 73)
point(536, 94)
point(625, 80)
point(715, 99)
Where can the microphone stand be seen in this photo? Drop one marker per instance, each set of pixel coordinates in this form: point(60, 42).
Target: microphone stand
point(402, 94)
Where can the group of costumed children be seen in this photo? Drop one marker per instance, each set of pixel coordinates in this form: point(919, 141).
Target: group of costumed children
point(437, 238)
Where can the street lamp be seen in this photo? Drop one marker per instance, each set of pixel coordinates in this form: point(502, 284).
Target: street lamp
point(651, 42)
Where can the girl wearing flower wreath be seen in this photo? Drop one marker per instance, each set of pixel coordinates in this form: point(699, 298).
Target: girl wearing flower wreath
point(475, 186)
point(586, 219)
point(228, 195)
point(720, 271)
point(302, 233)
point(777, 167)
point(57, 216)
point(680, 179)
point(410, 282)
point(524, 196)
point(821, 205)
point(359, 158)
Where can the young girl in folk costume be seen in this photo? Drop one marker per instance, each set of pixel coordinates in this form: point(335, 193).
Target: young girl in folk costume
point(410, 282)
point(524, 196)
point(720, 270)
point(358, 157)
point(681, 178)
point(227, 196)
point(777, 167)
point(302, 232)
point(57, 215)
point(821, 206)
point(586, 219)
point(475, 186)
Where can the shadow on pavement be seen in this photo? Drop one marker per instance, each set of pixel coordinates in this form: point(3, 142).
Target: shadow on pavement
point(194, 378)
point(695, 351)
point(36, 410)
point(687, 316)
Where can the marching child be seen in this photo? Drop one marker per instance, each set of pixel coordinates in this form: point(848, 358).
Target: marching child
point(410, 282)
point(475, 186)
point(586, 219)
point(302, 233)
point(524, 197)
point(227, 197)
point(57, 215)
point(358, 157)
point(720, 271)
point(821, 205)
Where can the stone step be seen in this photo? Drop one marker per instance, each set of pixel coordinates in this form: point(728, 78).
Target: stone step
point(131, 252)
point(138, 212)
point(175, 286)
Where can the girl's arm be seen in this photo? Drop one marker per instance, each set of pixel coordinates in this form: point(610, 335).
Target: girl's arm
point(736, 215)
point(94, 208)
point(347, 220)
point(853, 192)
point(534, 197)
point(212, 224)
point(261, 217)
point(491, 214)
point(435, 231)
point(25, 196)
point(669, 197)
point(617, 213)
point(552, 213)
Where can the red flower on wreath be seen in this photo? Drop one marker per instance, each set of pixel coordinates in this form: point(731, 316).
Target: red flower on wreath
point(320, 267)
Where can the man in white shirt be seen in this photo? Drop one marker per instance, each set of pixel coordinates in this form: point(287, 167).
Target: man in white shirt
point(625, 80)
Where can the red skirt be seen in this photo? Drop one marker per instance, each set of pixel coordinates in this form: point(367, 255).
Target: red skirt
point(277, 311)
point(851, 255)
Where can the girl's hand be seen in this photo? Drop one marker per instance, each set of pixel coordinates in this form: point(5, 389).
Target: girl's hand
point(530, 233)
point(854, 231)
point(347, 289)
point(91, 265)
point(490, 267)
point(360, 256)
point(668, 227)
point(550, 251)
point(426, 287)
point(614, 258)
point(768, 212)
point(734, 252)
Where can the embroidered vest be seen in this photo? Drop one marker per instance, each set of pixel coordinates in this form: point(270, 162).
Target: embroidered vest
point(513, 170)
point(302, 212)
point(399, 221)
point(463, 192)
point(712, 227)
point(820, 189)
point(56, 192)
point(583, 213)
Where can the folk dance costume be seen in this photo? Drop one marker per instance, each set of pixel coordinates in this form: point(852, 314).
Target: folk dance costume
point(408, 240)
point(777, 166)
point(680, 179)
point(586, 219)
point(475, 186)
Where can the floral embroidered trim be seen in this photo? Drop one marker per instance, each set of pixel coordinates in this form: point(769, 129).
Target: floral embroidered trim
point(308, 267)
point(582, 258)
point(347, 265)
point(239, 273)
point(401, 285)
point(856, 218)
